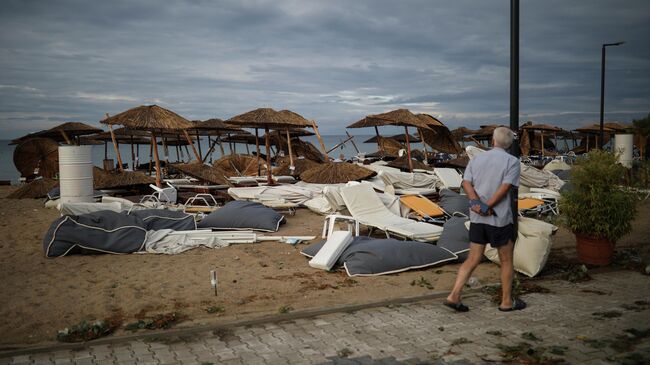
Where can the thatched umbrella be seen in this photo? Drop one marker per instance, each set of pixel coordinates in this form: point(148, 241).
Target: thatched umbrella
point(270, 119)
point(399, 117)
point(135, 138)
point(35, 189)
point(113, 180)
point(66, 132)
point(205, 173)
point(238, 165)
point(336, 173)
point(594, 131)
point(300, 165)
point(154, 119)
point(398, 137)
point(403, 164)
point(530, 127)
point(212, 127)
point(439, 137)
point(37, 156)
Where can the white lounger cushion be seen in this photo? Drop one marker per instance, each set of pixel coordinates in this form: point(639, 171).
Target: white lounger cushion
point(327, 256)
point(450, 178)
point(532, 247)
point(364, 205)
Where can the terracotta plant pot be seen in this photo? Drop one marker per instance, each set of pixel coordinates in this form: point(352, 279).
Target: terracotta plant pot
point(594, 251)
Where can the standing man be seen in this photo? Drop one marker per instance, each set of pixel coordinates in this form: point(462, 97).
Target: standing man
point(487, 182)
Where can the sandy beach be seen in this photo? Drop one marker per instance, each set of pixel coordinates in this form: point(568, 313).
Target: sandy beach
point(41, 295)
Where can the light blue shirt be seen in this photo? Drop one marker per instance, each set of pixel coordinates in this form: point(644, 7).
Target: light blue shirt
point(486, 172)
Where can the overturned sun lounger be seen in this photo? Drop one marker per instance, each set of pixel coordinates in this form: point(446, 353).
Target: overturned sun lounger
point(365, 206)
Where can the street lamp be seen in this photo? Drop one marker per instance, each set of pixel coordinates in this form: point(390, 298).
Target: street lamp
point(602, 92)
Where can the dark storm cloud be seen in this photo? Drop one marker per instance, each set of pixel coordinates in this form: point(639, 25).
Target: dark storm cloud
point(333, 61)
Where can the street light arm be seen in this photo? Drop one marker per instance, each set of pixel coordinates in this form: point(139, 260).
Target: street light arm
point(613, 44)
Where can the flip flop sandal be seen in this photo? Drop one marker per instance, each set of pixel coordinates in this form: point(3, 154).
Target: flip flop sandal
point(458, 307)
point(517, 305)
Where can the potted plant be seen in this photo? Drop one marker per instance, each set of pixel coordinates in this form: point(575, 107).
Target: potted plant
point(596, 209)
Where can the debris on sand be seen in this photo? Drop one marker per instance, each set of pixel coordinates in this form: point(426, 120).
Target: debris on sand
point(422, 283)
point(525, 353)
point(607, 314)
point(85, 331)
point(159, 321)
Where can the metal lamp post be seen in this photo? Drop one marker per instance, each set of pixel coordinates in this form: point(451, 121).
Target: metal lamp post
point(602, 91)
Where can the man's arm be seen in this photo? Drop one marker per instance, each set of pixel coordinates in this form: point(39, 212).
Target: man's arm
point(498, 195)
point(469, 189)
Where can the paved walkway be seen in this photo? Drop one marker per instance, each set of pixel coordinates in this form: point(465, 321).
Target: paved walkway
point(559, 325)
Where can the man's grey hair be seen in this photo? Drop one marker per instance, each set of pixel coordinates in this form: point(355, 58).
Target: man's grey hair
point(503, 137)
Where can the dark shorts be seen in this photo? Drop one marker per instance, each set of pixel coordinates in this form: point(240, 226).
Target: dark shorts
point(496, 236)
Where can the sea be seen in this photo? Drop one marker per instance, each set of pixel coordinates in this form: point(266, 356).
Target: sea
point(8, 170)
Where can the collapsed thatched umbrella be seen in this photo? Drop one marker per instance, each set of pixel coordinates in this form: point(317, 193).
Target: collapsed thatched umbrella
point(35, 189)
point(66, 132)
point(122, 135)
point(594, 131)
point(439, 137)
point(300, 165)
point(403, 164)
point(270, 119)
point(399, 117)
point(154, 119)
point(205, 173)
point(398, 137)
point(336, 173)
point(113, 180)
point(37, 156)
point(530, 127)
point(212, 127)
point(238, 165)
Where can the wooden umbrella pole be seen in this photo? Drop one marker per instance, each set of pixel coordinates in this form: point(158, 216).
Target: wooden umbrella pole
point(137, 156)
point(213, 144)
point(291, 166)
point(424, 147)
point(352, 141)
point(381, 149)
point(165, 149)
point(65, 137)
point(268, 156)
point(257, 147)
point(132, 155)
point(320, 139)
point(117, 150)
point(408, 148)
point(152, 144)
point(157, 158)
point(105, 150)
point(198, 142)
point(541, 136)
point(178, 153)
point(189, 140)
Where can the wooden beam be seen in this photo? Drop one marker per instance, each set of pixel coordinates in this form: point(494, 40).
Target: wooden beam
point(189, 140)
point(257, 146)
point(352, 141)
point(291, 166)
point(320, 139)
point(117, 150)
point(268, 157)
point(157, 158)
point(408, 148)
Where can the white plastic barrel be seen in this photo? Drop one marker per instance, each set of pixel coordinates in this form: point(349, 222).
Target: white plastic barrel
point(624, 145)
point(76, 174)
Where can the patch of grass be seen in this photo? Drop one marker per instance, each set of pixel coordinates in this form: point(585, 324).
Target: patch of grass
point(460, 341)
point(525, 353)
point(557, 350)
point(530, 337)
point(494, 333)
point(285, 309)
point(607, 314)
point(159, 321)
point(85, 331)
point(215, 309)
point(577, 274)
point(344, 352)
point(422, 283)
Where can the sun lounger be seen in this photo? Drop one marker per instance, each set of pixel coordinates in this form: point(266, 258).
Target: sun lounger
point(365, 206)
point(449, 177)
point(424, 208)
point(536, 203)
point(327, 256)
point(168, 194)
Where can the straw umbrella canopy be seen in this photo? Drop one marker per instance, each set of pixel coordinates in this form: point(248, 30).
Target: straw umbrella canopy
point(398, 137)
point(122, 135)
point(205, 173)
point(212, 127)
point(103, 179)
point(530, 127)
point(34, 189)
point(154, 119)
point(594, 131)
point(398, 117)
point(66, 132)
point(238, 165)
point(37, 156)
point(336, 173)
point(270, 119)
point(402, 164)
point(439, 137)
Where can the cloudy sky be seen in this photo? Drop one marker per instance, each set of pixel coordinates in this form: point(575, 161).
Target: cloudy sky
point(332, 61)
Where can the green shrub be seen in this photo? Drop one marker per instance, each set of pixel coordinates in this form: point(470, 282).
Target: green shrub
point(596, 206)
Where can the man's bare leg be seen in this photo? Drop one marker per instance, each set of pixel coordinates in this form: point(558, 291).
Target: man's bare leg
point(507, 273)
point(465, 271)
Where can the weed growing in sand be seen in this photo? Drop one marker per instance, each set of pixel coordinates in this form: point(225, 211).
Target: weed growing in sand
point(530, 337)
point(160, 321)
point(422, 283)
point(285, 309)
point(460, 341)
point(494, 333)
point(344, 352)
point(606, 314)
point(215, 309)
point(85, 331)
